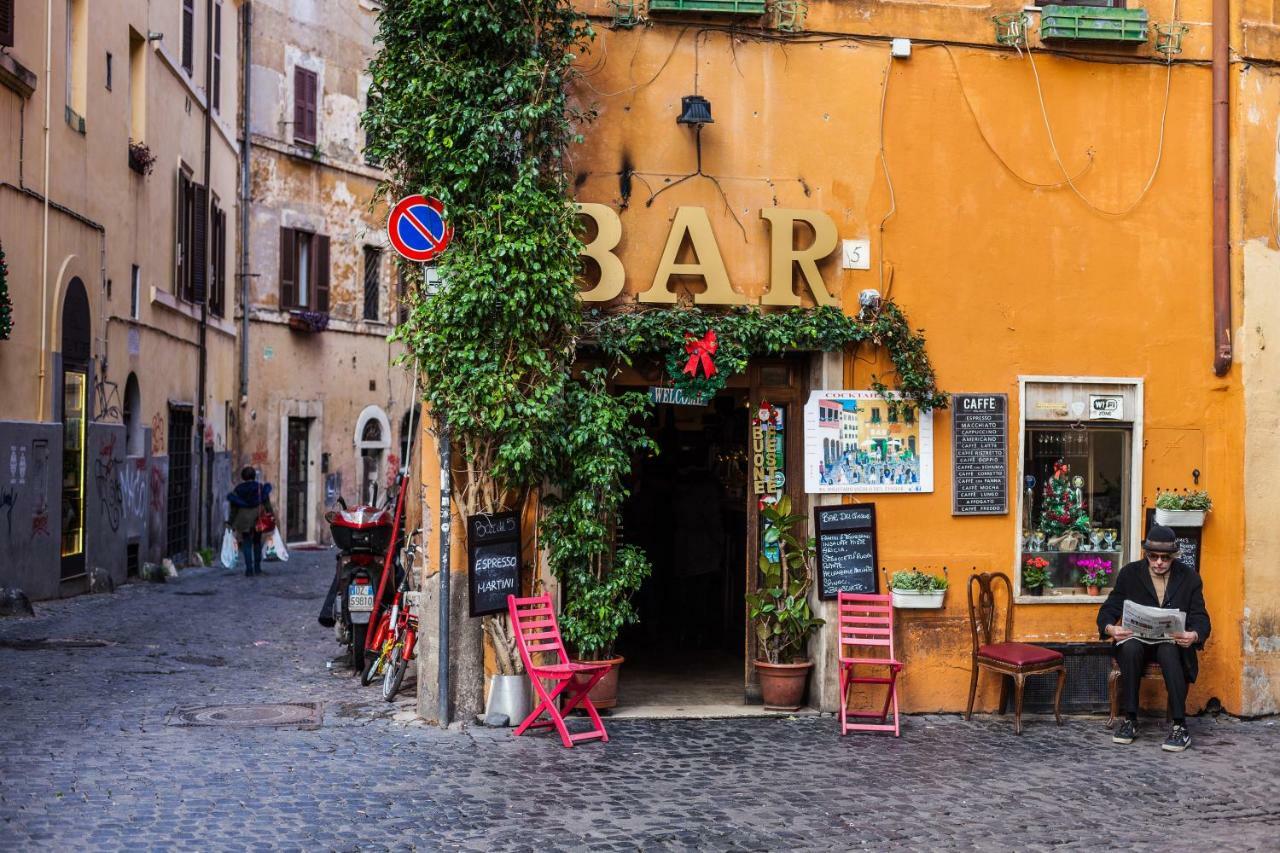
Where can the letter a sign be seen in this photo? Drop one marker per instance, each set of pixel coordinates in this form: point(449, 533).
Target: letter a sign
point(416, 228)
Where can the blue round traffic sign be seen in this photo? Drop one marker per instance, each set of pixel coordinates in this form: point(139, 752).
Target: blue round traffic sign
point(417, 228)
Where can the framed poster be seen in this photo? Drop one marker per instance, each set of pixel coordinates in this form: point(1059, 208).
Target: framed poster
point(855, 443)
point(493, 561)
point(846, 542)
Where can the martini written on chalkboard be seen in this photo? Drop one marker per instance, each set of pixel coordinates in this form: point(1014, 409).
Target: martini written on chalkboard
point(493, 561)
point(846, 540)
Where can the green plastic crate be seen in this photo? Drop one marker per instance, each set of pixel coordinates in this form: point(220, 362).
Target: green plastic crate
point(1093, 23)
point(722, 7)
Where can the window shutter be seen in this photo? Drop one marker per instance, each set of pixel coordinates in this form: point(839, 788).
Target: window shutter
point(288, 286)
point(6, 23)
point(200, 246)
point(188, 34)
point(372, 278)
point(322, 273)
point(304, 105)
point(312, 80)
point(215, 97)
point(180, 248)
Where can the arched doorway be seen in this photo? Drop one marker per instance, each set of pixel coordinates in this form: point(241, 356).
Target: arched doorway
point(131, 413)
point(373, 437)
point(74, 413)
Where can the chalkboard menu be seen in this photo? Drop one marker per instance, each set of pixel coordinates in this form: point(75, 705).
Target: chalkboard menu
point(979, 454)
point(493, 561)
point(846, 537)
point(1188, 542)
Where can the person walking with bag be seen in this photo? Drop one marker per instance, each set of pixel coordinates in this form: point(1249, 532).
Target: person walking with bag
point(252, 517)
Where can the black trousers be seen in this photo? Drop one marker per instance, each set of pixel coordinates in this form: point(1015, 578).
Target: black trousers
point(1133, 658)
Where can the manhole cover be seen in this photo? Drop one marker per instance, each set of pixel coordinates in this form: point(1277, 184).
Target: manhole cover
point(54, 643)
point(301, 714)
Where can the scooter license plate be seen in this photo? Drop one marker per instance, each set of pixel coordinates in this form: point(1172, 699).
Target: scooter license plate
point(360, 597)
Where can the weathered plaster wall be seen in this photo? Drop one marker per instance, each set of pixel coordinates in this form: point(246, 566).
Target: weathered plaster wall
point(30, 507)
point(106, 533)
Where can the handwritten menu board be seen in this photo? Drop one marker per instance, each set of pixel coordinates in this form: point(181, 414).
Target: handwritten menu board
point(846, 538)
point(493, 561)
point(1188, 541)
point(979, 454)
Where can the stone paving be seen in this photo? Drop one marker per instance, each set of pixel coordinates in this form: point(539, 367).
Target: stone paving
point(90, 761)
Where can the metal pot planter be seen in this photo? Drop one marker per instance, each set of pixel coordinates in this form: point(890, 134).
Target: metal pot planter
point(509, 695)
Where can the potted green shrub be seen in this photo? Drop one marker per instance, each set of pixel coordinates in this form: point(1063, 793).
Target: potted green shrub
point(1182, 509)
point(1035, 576)
point(779, 608)
point(915, 589)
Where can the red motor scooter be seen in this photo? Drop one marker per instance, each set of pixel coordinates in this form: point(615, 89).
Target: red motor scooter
point(364, 536)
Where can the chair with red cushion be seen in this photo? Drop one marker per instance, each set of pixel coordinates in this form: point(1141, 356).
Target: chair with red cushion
point(1005, 657)
point(533, 621)
point(866, 640)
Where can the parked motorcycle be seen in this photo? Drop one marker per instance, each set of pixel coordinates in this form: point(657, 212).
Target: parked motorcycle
point(363, 535)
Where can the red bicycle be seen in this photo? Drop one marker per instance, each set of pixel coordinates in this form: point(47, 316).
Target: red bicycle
point(396, 637)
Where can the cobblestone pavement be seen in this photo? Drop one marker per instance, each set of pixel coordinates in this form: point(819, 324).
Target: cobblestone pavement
point(90, 761)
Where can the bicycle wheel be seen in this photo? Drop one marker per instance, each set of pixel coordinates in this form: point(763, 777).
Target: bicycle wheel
point(395, 673)
point(370, 673)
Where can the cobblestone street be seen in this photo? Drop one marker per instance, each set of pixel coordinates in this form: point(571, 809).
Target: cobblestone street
point(92, 760)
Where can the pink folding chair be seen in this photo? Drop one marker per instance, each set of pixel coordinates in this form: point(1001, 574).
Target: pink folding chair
point(534, 623)
point(866, 626)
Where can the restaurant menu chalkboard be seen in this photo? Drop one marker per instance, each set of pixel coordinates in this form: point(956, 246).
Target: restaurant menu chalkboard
point(493, 561)
point(1188, 541)
point(846, 538)
point(979, 454)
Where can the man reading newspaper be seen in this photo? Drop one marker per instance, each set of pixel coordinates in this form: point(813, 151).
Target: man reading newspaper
point(1156, 612)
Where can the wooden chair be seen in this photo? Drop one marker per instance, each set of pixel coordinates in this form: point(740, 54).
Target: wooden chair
point(1151, 672)
point(866, 622)
point(1009, 659)
point(533, 621)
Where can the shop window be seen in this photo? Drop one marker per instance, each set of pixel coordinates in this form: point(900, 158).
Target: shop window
point(1078, 479)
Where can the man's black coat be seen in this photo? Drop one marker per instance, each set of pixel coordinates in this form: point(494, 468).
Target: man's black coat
point(1185, 592)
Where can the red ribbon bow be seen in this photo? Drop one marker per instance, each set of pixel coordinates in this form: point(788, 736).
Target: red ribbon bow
point(700, 352)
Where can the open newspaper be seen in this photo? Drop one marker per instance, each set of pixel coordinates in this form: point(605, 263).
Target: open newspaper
point(1152, 624)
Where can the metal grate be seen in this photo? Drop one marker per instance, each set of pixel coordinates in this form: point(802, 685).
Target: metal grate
point(1086, 689)
point(307, 715)
point(178, 515)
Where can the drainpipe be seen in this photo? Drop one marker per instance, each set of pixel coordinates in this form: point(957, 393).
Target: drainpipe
point(442, 644)
point(44, 238)
point(1221, 180)
point(247, 64)
point(201, 485)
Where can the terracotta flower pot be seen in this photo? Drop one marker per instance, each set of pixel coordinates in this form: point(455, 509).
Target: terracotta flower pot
point(1093, 590)
point(605, 693)
point(782, 684)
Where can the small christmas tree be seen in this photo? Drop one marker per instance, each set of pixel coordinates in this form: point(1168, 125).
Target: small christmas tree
point(6, 306)
point(1062, 510)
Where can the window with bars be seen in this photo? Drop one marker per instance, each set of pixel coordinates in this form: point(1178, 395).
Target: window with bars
point(215, 96)
point(304, 271)
point(372, 281)
point(188, 34)
point(304, 105)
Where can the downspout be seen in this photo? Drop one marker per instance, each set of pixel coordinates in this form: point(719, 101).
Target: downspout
point(44, 237)
point(201, 485)
point(442, 643)
point(247, 64)
point(1221, 181)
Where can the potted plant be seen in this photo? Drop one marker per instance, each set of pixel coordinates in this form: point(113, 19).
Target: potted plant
point(308, 321)
point(509, 694)
point(917, 590)
point(1095, 573)
point(1035, 575)
point(1182, 509)
point(779, 608)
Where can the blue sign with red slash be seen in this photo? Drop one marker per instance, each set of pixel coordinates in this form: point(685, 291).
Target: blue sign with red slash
point(417, 229)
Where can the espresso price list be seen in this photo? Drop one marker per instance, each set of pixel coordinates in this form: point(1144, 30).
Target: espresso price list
point(979, 454)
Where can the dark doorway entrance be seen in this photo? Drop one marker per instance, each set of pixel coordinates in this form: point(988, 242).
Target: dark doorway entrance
point(296, 475)
point(74, 414)
point(688, 511)
point(178, 512)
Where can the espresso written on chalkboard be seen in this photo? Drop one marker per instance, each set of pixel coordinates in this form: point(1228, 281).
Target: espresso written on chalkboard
point(493, 561)
point(846, 541)
point(979, 454)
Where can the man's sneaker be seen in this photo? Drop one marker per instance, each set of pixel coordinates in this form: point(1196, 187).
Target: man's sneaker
point(1179, 739)
point(1126, 733)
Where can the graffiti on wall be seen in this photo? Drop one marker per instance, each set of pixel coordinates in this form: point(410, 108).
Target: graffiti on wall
point(8, 499)
point(40, 485)
point(105, 393)
point(133, 486)
point(106, 472)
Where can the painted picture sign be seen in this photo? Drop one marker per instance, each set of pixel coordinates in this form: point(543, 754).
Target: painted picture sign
point(846, 541)
point(493, 561)
point(855, 442)
point(979, 454)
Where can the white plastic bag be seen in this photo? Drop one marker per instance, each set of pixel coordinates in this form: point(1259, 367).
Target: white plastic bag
point(229, 549)
point(277, 545)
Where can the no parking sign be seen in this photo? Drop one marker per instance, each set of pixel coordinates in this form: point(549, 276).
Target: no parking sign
point(416, 228)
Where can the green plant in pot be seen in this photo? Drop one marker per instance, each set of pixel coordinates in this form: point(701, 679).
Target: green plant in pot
point(779, 608)
point(596, 442)
point(915, 589)
point(1183, 508)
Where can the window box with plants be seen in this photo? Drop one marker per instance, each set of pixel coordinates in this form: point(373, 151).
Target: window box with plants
point(917, 590)
point(1093, 23)
point(721, 7)
point(779, 609)
point(141, 160)
point(308, 321)
point(1182, 509)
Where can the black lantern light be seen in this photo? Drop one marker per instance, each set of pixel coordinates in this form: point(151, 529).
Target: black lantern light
point(695, 110)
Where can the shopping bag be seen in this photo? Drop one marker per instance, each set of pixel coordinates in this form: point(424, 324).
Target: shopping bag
point(229, 549)
point(277, 545)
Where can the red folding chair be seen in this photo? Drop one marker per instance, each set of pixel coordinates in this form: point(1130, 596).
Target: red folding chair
point(866, 625)
point(534, 623)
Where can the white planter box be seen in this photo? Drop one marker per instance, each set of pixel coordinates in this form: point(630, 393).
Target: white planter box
point(913, 599)
point(1180, 517)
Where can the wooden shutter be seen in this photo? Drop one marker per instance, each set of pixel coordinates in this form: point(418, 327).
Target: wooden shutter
point(304, 105)
point(200, 245)
point(320, 261)
point(288, 284)
point(6, 23)
point(215, 97)
point(188, 34)
point(180, 249)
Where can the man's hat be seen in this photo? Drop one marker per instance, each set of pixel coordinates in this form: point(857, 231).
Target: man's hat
point(1161, 539)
